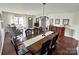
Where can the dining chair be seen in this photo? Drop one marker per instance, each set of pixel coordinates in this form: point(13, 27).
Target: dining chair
point(35, 30)
point(28, 33)
point(45, 47)
point(20, 49)
point(52, 46)
point(53, 42)
point(14, 31)
point(40, 30)
point(53, 28)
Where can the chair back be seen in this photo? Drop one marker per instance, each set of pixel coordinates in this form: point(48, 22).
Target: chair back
point(20, 49)
point(28, 33)
point(35, 31)
point(53, 42)
point(45, 47)
point(55, 38)
point(40, 30)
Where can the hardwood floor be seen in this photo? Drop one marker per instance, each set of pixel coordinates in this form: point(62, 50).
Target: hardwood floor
point(65, 46)
point(8, 48)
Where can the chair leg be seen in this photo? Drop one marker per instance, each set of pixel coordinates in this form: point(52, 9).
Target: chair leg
point(14, 48)
point(49, 52)
point(32, 53)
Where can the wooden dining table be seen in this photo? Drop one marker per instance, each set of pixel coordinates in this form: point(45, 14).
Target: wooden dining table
point(34, 44)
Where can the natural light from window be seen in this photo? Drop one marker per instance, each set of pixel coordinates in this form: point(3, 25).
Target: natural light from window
point(17, 20)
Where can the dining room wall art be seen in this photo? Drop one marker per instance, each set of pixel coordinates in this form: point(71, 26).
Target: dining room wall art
point(65, 21)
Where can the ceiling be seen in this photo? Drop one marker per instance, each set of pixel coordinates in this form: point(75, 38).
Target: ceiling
point(36, 8)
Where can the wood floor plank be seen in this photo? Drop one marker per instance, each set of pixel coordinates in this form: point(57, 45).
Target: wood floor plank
point(8, 48)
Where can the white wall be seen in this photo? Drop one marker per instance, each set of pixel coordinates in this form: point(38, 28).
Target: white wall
point(6, 18)
point(2, 35)
point(76, 25)
point(76, 18)
point(1, 39)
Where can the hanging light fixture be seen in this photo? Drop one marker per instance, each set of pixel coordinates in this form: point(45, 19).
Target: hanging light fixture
point(43, 9)
point(44, 19)
point(43, 15)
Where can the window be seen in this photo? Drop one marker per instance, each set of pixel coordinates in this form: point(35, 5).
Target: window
point(17, 20)
point(20, 20)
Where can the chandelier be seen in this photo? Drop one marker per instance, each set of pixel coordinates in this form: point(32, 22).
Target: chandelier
point(43, 11)
point(44, 19)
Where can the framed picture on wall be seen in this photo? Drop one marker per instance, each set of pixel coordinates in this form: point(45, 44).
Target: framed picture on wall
point(65, 21)
point(57, 21)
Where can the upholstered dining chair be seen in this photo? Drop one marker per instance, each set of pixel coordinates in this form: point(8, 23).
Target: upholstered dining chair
point(53, 28)
point(20, 49)
point(28, 33)
point(53, 42)
point(15, 32)
point(52, 46)
point(45, 47)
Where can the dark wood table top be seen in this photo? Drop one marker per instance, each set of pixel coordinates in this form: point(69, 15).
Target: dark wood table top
point(34, 48)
